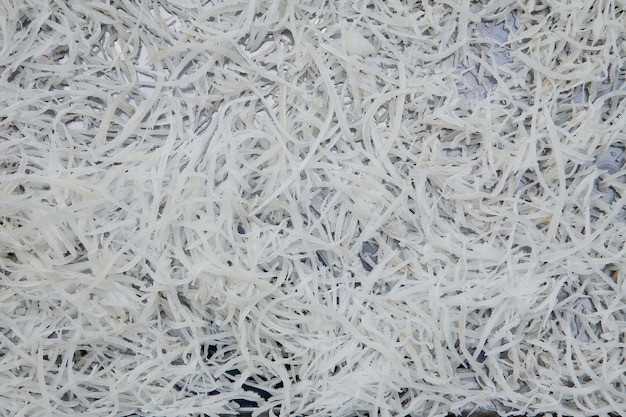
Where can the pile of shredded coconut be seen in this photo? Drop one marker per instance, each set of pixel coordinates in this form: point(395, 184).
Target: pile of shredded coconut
point(306, 207)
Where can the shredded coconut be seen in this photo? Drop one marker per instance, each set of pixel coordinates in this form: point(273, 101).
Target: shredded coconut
point(312, 208)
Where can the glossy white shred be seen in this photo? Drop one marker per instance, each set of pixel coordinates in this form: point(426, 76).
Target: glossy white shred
point(340, 208)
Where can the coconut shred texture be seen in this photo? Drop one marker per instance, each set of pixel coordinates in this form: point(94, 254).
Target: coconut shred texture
point(312, 208)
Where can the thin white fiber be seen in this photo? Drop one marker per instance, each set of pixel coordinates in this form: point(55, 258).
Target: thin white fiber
point(341, 208)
